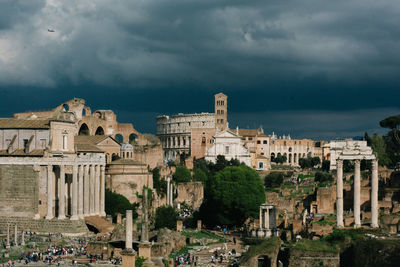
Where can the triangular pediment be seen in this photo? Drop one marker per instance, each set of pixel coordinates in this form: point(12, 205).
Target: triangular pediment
point(109, 141)
point(226, 134)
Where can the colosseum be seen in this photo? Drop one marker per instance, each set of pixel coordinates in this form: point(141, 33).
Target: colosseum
point(185, 135)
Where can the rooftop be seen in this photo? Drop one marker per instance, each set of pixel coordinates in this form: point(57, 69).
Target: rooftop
point(11, 123)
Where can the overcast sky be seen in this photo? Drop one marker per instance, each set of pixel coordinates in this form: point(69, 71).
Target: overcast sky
point(318, 69)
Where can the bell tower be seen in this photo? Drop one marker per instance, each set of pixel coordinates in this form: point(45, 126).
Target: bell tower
point(221, 111)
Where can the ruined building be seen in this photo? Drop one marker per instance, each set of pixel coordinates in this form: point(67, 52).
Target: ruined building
point(53, 165)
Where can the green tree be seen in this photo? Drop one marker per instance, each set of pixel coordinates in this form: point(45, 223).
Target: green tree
point(117, 203)
point(323, 177)
point(166, 216)
point(159, 184)
point(309, 162)
point(280, 159)
point(274, 179)
point(234, 194)
point(199, 175)
point(315, 161)
point(304, 163)
point(379, 147)
point(182, 174)
point(392, 123)
point(326, 165)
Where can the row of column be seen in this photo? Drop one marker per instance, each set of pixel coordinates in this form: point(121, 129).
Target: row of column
point(88, 191)
point(8, 244)
point(357, 192)
point(176, 141)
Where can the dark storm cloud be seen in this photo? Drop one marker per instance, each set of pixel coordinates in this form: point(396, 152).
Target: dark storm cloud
point(268, 56)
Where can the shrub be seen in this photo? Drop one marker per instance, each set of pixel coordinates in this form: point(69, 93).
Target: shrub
point(182, 174)
point(117, 203)
point(273, 179)
point(166, 216)
point(323, 177)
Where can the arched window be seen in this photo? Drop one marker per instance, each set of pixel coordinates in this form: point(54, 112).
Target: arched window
point(84, 130)
point(265, 142)
point(119, 138)
point(66, 107)
point(133, 138)
point(99, 131)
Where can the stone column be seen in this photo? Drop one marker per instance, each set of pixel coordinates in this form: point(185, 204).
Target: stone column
point(339, 194)
point(145, 233)
point(171, 194)
point(374, 194)
point(357, 189)
point(49, 192)
point(128, 240)
point(128, 254)
point(91, 189)
point(80, 192)
point(97, 190)
point(168, 190)
point(61, 200)
point(74, 209)
point(86, 193)
point(23, 239)
point(16, 236)
point(266, 219)
point(8, 236)
point(102, 190)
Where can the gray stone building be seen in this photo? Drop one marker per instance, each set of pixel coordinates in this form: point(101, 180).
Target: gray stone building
point(45, 176)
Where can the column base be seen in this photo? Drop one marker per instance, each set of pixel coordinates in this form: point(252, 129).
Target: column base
point(74, 217)
point(48, 217)
point(103, 214)
point(81, 216)
point(339, 225)
point(61, 217)
point(357, 226)
point(374, 225)
point(37, 216)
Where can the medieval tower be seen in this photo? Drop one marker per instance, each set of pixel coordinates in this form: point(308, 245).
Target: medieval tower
point(221, 112)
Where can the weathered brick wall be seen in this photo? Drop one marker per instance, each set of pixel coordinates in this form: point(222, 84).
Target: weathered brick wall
point(76, 227)
point(19, 187)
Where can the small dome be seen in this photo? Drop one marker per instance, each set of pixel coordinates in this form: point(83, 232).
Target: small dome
point(126, 147)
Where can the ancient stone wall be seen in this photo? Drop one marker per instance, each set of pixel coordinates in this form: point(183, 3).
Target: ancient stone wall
point(127, 180)
point(190, 193)
point(326, 199)
point(313, 259)
point(68, 227)
point(19, 185)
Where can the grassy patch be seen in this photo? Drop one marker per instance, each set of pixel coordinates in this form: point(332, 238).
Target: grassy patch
point(272, 190)
point(314, 246)
point(323, 222)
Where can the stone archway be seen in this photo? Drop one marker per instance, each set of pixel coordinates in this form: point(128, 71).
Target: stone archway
point(99, 131)
point(84, 129)
point(119, 138)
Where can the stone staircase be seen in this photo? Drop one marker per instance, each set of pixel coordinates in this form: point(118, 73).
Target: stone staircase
point(67, 227)
point(102, 225)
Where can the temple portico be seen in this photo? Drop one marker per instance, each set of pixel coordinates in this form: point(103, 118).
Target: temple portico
point(267, 221)
point(354, 151)
point(74, 187)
